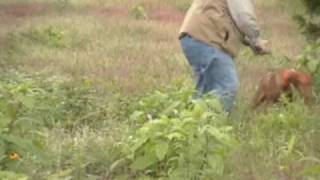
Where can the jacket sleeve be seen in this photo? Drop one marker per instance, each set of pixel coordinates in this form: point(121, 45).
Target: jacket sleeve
point(243, 14)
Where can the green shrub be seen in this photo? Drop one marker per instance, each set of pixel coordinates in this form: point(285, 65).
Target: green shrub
point(7, 175)
point(309, 61)
point(277, 143)
point(139, 12)
point(18, 131)
point(178, 137)
point(30, 105)
point(309, 22)
point(50, 36)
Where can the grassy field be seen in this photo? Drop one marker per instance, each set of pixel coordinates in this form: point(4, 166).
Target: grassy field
point(81, 81)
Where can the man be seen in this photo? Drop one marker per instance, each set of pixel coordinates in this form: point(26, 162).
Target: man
point(211, 36)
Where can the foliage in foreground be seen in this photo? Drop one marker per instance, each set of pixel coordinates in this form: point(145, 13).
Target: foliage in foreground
point(278, 144)
point(177, 137)
point(54, 129)
point(180, 137)
point(30, 106)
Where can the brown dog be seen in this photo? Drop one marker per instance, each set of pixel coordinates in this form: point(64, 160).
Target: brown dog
point(274, 84)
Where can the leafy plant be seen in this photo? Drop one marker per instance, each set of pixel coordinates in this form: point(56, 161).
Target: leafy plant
point(139, 12)
point(180, 138)
point(51, 36)
point(31, 104)
point(309, 61)
point(8, 175)
point(309, 23)
point(278, 138)
point(19, 134)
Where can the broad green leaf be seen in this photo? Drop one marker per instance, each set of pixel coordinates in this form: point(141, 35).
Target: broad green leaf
point(216, 163)
point(9, 175)
point(4, 122)
point(222, 135)
point(162, 150)
point(312, 65)
point(28, 101)
point(139, 143)
point(2, 150)
point(172, 107)
point(199, 109)
point(26, 144)
point(315, 170)
point(195, 148)
point(217, 133)
point(291, 143)
point(136, 115)
point(175, 135)
point(142, 162)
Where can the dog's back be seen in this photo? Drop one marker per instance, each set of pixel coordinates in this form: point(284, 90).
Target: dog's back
point(273, 84)
point(268, 89)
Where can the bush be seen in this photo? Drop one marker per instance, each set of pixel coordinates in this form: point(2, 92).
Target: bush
point(139, 12)
point(178, 138)
point(7, 175)
point(309, 22)
point(29, 105)
point(309, 61)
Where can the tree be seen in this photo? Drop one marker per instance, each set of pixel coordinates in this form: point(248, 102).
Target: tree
point(310, 21)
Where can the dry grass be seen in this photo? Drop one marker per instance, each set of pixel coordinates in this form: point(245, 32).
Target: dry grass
point(111, 46)
point(128, 54)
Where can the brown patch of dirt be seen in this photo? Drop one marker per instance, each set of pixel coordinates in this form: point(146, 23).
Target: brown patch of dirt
point(163, 14)
point(11, 14)
point(166, 15)
point(22, 10)
point(111, 12)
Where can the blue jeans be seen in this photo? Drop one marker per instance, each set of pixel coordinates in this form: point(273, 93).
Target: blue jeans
point(214, 71)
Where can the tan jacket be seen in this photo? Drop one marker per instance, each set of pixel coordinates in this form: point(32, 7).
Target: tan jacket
point(210, 21)
point(244, 15)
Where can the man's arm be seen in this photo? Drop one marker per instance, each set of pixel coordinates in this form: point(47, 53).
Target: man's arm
point(243, 14)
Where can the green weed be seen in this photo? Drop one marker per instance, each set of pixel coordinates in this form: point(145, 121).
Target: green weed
point(179, 138)
point(139, 12)
point(309, 61)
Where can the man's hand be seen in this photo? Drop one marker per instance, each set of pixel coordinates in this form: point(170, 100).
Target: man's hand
point(259, 46)
point(262, 47)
